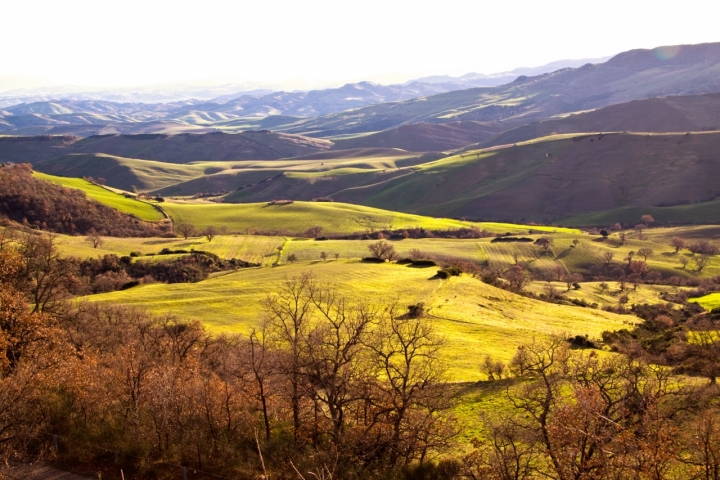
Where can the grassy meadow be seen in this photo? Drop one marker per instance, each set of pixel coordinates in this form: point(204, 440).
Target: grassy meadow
point(335, 218)
point(709, 301)
point(250, 248)
point(474, 318)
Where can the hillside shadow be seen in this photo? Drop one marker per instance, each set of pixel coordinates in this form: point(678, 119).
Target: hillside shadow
point(484, 387)
point(157, 242)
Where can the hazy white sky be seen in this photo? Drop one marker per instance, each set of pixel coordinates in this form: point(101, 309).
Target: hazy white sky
point(317, 43)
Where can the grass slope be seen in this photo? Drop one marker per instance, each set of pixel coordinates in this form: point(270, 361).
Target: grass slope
point(179, 148)
point(250, 248)
point(474, 318)
point(140, 209)
point(424, 137)
point(544, 180)
point(709, 301)
point(334, 218)
point(122, 173)
point(690, 113)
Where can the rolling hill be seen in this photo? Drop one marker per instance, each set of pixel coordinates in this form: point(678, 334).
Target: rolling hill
point(423, 137)
point(688, 113)
point(544, 180)
point(120, 172)
point(182, 148)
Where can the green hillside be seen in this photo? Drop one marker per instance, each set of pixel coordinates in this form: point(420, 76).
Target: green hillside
point(171, 148)
point(138, 208)
point(689, 113)
point(122, 173)
point(701, 212)
point(334, 218)
point(239, 175)
point(543, 180)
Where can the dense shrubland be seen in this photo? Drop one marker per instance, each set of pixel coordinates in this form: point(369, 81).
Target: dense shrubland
point(355, 390)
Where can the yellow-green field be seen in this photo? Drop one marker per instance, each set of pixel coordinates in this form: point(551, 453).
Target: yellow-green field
point(250, 248)
point(334, 218)
point(709, 301)
point(306, 249)
point(140, 209)
point(588, 253)
point(475, 318)
point(591, 292)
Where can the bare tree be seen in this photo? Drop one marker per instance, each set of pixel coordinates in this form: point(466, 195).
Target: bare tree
point(701, 262)
point(639, 230)
point(383, 250)
point(209, 233)
point(608, 257)
point(323, 255)
point(95, 239)
point(683, 261)
point(622, 300)
point(647, 219)
point(630, 256)
point(623, 237)
point(292, 258)
point(545, 243)
point(645, 252)
point(494, 369)
point(336, 362)
point(288, 315)
point(185, 229)
point(678, 243)
point(516, 278)
point(409, 389)
point(572, 279)
point(550, 290)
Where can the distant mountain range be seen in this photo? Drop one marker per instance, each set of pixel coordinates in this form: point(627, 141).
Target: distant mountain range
point(471, 80)
point(604, 141)
point(69, 110)
point(636, 74)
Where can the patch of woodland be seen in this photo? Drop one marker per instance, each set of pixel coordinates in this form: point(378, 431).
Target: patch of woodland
point(110, 387)
point(111, 272)
point(43, 205)
point(107, 273)
point(684, 338)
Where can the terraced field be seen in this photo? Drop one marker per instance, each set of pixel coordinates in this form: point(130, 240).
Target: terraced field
point(140, 209)
point(475, 318)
